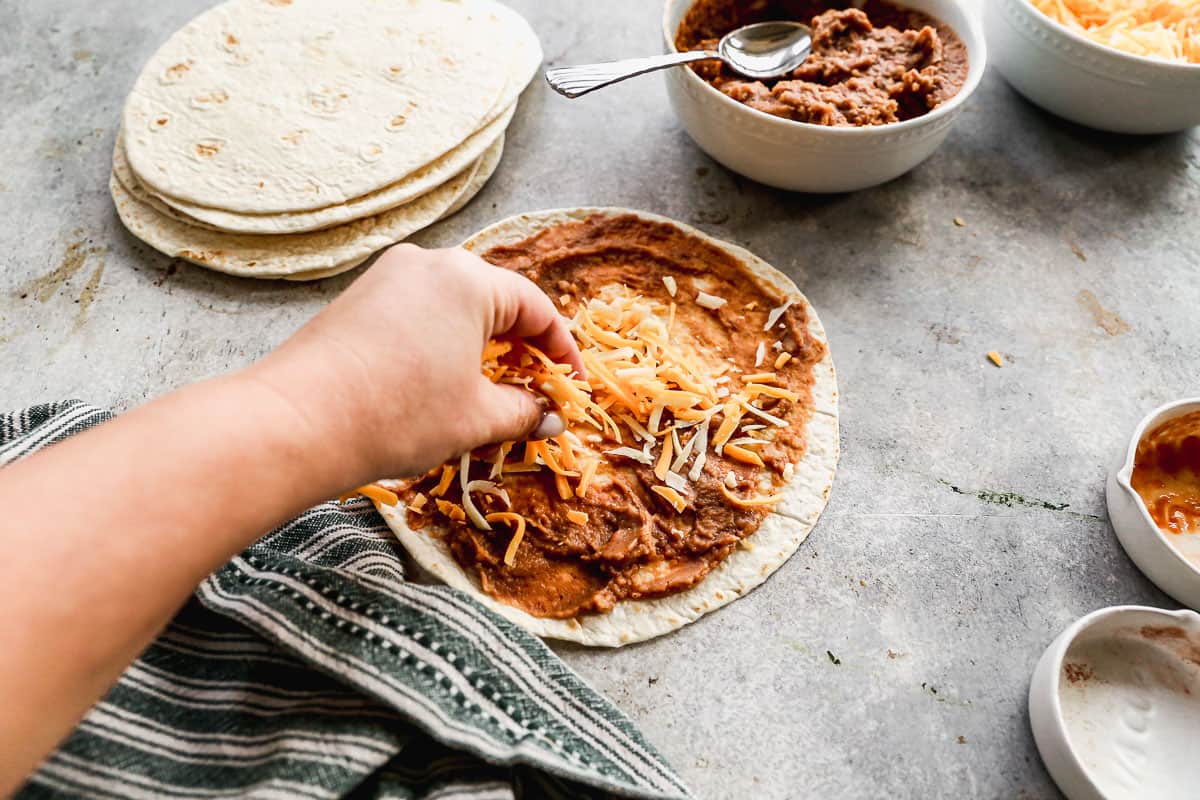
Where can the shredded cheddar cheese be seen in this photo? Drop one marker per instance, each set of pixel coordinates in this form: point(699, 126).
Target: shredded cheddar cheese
point(585, 478)
point(379, 494)
point(448, 471)
point(671, 496)
point(1162, 29)
point(739, 453)
point(751, 502)
point(518, 523)
point(647, 399)
point(451, 510)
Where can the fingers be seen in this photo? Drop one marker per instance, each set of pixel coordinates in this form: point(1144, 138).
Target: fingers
point(524, 310)
point(511, 414)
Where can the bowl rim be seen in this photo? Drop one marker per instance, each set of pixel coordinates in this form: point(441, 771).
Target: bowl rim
point(976, 53)
point(1185, 67)
point(1124, 478)
point(1056, 652)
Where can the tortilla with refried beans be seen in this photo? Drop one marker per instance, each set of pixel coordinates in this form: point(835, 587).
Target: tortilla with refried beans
point(698, 455)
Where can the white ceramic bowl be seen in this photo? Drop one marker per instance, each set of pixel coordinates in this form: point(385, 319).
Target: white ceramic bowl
point(1114, 704)
point(815, 158)
point(1085, 82)
point(1144, 541)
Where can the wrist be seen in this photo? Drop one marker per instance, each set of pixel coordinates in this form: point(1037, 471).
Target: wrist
point(311, 429)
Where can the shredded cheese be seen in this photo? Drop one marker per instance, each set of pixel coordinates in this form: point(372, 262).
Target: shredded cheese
point(758, 412)
point(671, 496)
point(1162, 29)
point(451, 510)
point(563, 487)
point(776, 313)
point(464, 475)
point(628, 452)
point(643, 391)
point(701, 452)
point(676, 482)
point(585, 478)
point(738, 453)
point(518, 523)
point(448, 471)
point(752, 502)
point(379, 494)
point(776, 392)
point(664, 460)
point(418, 503)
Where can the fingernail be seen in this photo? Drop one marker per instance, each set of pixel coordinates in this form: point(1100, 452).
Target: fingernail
point(551, 425)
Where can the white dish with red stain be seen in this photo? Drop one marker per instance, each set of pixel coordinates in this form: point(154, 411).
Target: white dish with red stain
point(1115, 705)
point(1170, 559)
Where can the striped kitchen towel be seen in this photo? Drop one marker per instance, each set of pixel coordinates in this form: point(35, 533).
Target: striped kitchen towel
point(308, 667)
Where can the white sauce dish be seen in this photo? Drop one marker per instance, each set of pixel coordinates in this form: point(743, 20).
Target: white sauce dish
point(1170, 560)
point(1115, 705)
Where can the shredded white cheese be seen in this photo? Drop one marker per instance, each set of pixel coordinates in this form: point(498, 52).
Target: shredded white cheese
point(628, 452)
point(710, 301)
point(776, 313)
point(701, 456)
point(669, 282)
point(464, 471)
point(771, 418)
point(676, 482)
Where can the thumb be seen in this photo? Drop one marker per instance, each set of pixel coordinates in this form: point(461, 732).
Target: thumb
point(512, 414)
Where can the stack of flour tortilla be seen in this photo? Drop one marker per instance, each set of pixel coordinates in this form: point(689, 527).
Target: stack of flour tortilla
point(295, 138)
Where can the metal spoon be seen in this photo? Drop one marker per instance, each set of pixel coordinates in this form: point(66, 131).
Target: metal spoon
point(762, 50)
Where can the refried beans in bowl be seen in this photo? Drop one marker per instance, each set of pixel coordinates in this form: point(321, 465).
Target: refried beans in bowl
point(872, 63)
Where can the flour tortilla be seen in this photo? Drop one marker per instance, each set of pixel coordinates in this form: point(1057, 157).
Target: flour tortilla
point(780, 534)
point(420, 182)
point(302, 255)
point(272, 106)
point(487, 167)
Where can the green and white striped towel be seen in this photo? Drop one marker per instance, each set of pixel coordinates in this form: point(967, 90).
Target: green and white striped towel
point(309, 668)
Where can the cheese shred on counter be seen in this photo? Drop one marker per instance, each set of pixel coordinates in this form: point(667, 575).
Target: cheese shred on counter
point(1163, 29)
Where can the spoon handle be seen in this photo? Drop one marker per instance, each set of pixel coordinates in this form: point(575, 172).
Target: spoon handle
point(577, 81)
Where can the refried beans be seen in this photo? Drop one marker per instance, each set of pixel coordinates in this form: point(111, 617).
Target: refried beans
point(635, 544)
point(872, 62)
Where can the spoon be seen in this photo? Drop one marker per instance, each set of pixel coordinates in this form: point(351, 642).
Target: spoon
point(762, 50)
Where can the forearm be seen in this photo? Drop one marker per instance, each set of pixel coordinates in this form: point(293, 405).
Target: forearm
point(107, 534)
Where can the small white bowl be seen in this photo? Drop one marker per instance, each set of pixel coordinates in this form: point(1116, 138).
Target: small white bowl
point(1145, 542)
point(1114, 704)
point(1100, 87)
point(803, 157)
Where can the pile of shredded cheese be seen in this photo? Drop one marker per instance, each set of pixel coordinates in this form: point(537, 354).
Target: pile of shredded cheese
point(646, 400)
point(1165, 29)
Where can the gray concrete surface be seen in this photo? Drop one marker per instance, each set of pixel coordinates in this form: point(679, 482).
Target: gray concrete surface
point(890, 657)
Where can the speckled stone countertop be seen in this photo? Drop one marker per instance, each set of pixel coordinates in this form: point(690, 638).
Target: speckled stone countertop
point(891, 655)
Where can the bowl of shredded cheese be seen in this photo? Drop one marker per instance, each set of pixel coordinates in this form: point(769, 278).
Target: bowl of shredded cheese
point(1127, 66)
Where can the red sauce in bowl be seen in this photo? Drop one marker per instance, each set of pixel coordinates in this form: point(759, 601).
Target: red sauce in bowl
point(1166, 474)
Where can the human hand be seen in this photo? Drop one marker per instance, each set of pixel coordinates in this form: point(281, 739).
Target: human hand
point(391, 369)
